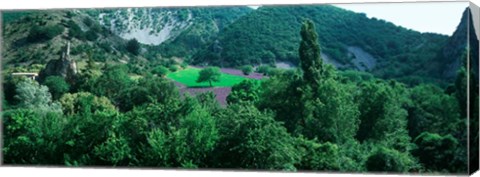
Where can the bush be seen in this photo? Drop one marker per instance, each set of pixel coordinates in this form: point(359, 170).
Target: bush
point(247, 69)
point(133, 46)
point(263, 69)
point(75, 31)
point(160, 71)
point(39, 34)
point(57, 86)
point(173, 68)
point(88, 22)
point(388, 160)
point(91, 35)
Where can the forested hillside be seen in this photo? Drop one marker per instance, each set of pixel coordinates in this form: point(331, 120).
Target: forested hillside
point(33, 40)
point(267, 35)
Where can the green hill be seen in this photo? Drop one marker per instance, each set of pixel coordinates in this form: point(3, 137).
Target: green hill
point(270, 34)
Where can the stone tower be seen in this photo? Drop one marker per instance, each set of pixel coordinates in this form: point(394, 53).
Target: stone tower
point(64, 67)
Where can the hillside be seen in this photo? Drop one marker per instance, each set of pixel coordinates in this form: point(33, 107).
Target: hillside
point(171, 31)
point(39, 37)
point(348, 40)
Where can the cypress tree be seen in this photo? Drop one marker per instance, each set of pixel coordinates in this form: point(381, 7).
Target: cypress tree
point(309, 51)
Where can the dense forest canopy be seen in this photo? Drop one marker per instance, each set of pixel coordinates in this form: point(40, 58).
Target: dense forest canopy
point(121, 107)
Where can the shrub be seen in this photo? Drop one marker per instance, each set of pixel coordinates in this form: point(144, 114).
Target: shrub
point(75, 31)
point(57, 86)
point(133, 46)
point(173, 68)
point(160, 71)
point(388, 160)
point(247, 69)
point(263, 69)
point(91, 35)
point(39, 34)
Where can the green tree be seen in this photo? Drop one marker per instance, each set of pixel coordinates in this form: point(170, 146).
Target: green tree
point(433, 111)
point(32, 95)
point(157, 150)
point(329, 113)
point(247, 69)
point(82, 102)
point(389, 160)
point(195, 138)
point(317, 156)
point(160, 71)
point(436, 152)
point(57, 86)
point(309, 52)
point(149, 89)
point(210, 74)
point(382, 116)
point(252, 139)
point(33, 136)
point(89, 140)
point(112, 82)
point(114, 151)
point(40, 34)
point(133, 46)
point(264, 69)
point(245, 91)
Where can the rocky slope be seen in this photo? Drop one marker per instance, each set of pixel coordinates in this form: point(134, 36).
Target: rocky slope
point(174, 31)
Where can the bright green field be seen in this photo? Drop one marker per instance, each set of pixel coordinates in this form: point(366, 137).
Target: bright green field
point(189, 77)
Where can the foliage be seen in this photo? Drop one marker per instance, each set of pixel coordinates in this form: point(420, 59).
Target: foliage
point(210, 74)
point(84, 101)
point(266, 144)
point(436, 152)
point(313, 117)
point(317, 156)
point(245, 91)
point(264, 69)
point(74, 31)
point(388, 160)
point(173, 68)
point(247, 69)
point(195, 138)
point(40, 34)
point(31, 95)
point(160, 71)
point(149, 89)
point(382, 116)
point(133, 46)
point(271, 33)
point(57, 86)
point(91, 35)
point(33, 137)
point(112, 82)
point(309, 51)
point(432, 111)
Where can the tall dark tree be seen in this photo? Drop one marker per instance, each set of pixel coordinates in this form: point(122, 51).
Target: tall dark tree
point(309, 51)
point(133, 46)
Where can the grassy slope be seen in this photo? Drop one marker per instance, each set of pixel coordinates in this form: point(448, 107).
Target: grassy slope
point(189, 77)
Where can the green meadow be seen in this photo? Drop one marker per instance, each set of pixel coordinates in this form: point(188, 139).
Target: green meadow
point(189, 77)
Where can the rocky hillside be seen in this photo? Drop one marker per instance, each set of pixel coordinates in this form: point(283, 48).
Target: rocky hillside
point(176, 31)
point(451, 57)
